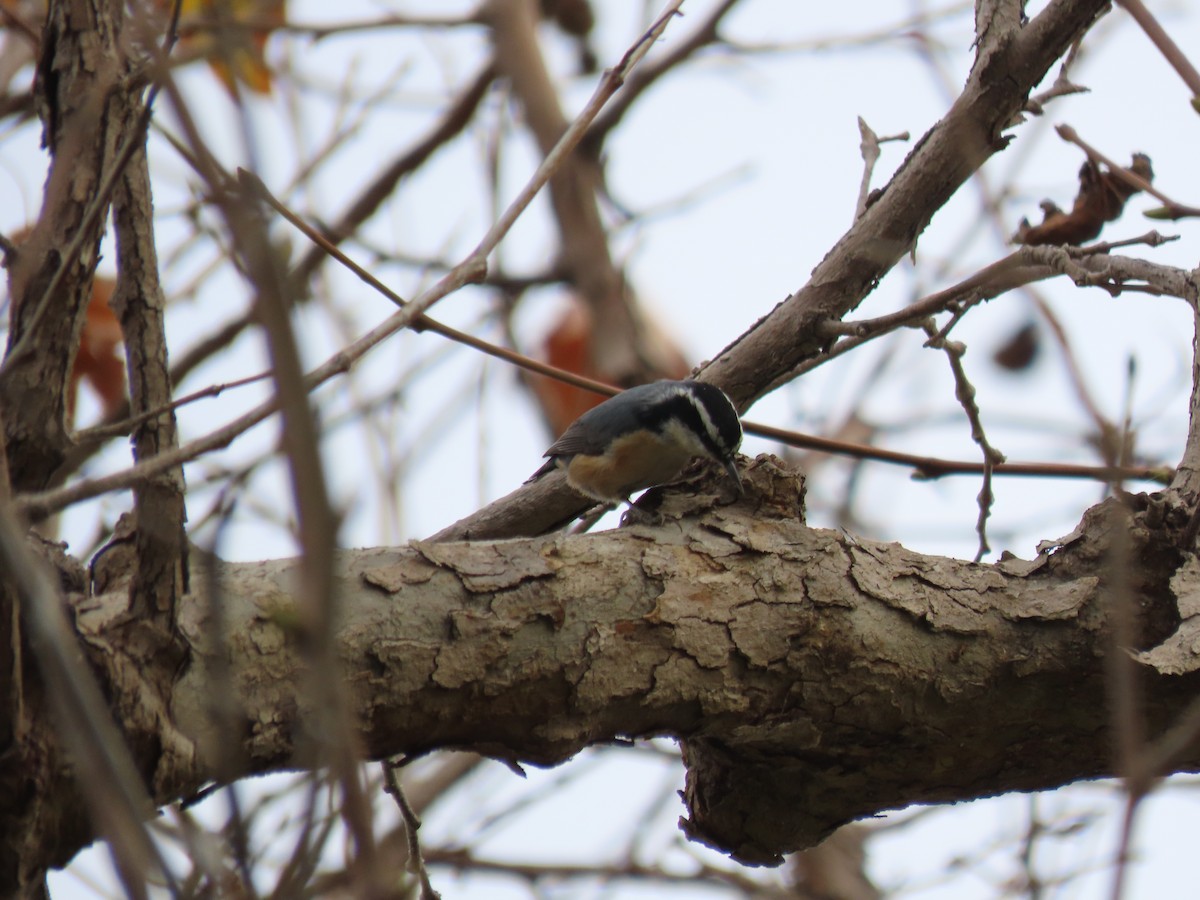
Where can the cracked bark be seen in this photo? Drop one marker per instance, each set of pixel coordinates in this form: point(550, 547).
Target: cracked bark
point(90, 105)
point(139, 303)
point(812, 677)
point(83, 115)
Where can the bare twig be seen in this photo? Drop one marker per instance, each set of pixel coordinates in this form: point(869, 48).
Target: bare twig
point(1166, 46)
point(262, 24)
point(1033, 883)
point(619, 347)
point(459, 114)
point(470, 270)
point(991, 203)
point(929, 467)
point(965, 392)
point(92, 436)
point(412, 823)
point(916, 23)
point(869, 148)
point(1062, 86)
point(612, 81)
point(1124, 845)
point(532, 873)
point(1018, 269)
point(1173, 209)
point(705, 35)
point(424, 322)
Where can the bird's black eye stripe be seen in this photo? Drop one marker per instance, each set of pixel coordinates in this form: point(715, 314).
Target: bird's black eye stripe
point(722, 417)
point(683, 407)
point(655, 417)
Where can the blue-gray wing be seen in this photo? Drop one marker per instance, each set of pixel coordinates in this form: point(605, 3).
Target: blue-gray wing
point(592, 432)
point(578, 438)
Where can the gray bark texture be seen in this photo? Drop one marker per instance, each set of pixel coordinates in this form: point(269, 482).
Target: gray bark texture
point(813, 678)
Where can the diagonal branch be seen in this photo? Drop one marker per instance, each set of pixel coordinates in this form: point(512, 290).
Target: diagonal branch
point(139, 303)
point(704, 36)
point(937, 166)
point(943, 159)
point(788, 659)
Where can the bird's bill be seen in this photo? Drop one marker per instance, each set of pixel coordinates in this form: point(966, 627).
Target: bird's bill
point(731, 468)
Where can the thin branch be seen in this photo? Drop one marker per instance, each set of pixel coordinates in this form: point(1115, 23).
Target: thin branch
point(214, 23)
point(1166, 46)
point(869, 148)
point(703, 36)
point(1173, 210)
point(965, 392)
point(1124, 844)
point(412, 824)
point(455, 120)
point(1020, 268)
point(612, 81)
point(470, 270)
point(465, 861)
point(423, 322)
point(916, 24)
point(96, 435)
point(930, 467)
point(1034, 887)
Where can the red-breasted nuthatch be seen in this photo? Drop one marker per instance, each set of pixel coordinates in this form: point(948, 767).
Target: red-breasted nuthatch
point(645, 436)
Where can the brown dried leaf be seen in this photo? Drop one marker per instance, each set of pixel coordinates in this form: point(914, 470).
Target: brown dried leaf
point(1101, 198)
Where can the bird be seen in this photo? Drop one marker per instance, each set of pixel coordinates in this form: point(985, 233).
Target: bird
point(644, 437)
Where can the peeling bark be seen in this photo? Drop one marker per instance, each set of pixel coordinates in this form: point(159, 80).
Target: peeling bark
point(84, 116)
point(812, 677)
point(139, 303)
point(90, 105)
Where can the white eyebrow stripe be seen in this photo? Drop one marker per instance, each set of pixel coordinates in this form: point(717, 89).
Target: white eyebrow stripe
point(709, 426)
point(705, 418)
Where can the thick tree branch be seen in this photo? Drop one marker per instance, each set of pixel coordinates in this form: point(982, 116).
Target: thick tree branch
point(938, 165)
point(81, 68)
point(814, 678)
point(941, 162)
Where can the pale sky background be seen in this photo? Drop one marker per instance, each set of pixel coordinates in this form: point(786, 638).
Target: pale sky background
point(754, 163)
